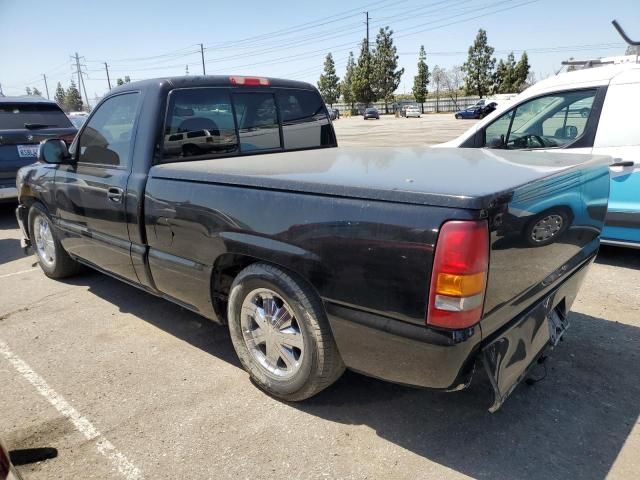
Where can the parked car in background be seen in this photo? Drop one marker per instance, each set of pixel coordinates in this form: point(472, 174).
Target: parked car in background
point(412, 111)
point(319, 259)
point(403, 109)
point(371, 113)
point(592, 110)
point(24, 122)
point(477, 111)
point(470, 112)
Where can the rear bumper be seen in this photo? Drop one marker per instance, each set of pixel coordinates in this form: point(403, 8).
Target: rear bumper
point(445, 360)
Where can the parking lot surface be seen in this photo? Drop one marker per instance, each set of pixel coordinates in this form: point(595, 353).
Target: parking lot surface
point(126, 385)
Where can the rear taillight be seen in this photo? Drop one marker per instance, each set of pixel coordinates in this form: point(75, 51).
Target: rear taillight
point(68, 139)
point(249, 81)
point(459, 276)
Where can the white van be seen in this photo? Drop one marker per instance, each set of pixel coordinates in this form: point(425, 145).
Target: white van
point(594, 110)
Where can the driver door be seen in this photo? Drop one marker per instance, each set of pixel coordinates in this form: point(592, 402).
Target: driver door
point(566, 119)
point(90, 193)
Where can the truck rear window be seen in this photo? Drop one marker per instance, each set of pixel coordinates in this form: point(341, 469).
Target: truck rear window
point(14, 116)
point(216, 121)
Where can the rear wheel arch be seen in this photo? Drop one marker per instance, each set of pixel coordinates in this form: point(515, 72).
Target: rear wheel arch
point(227, 267)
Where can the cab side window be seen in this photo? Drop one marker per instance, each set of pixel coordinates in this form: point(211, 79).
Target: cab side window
point(550, 121)
point(106, 139)
point(305, 122)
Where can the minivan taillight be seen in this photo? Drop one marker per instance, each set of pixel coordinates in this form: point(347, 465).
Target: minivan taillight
point(459, 276)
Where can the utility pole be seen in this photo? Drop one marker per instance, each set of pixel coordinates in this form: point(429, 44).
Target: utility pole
point(46, 87)
point(106, 67)
point(202, 55)
point(367, 22)
point(80, 79)
point(368, 53)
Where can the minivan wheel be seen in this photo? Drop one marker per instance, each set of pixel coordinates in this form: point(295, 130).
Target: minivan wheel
point(52, 257)
point(547, 227)
point(281, 334)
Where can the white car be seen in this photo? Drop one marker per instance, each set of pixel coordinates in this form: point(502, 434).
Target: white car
point(412, 112)
point(593, 111)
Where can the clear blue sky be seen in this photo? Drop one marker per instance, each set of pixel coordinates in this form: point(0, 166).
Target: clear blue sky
point(145, 39)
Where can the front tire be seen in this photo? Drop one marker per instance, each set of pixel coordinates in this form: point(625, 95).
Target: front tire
point(281, 334)
point(53, 259)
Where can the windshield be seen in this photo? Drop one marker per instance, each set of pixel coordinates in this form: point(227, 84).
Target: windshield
point(17, 115)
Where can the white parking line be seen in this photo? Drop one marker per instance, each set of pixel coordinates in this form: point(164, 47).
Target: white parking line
point(18, 273)
point(84, 426)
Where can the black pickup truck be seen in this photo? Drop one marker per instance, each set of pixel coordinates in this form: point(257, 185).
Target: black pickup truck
point(410, 265)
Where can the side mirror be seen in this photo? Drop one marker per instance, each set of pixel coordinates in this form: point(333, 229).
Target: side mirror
point(53, 150)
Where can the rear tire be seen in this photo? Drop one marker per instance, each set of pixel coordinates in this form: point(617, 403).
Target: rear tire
point(281, 334)
point(53, 259)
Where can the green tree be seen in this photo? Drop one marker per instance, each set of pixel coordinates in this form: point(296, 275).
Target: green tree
point(499, 76)
point(127, 79)
point(120, 81)
point(522, 73)
point(28, 90)
point(329, 83)
point(61, 97)
point(386, 75)
point(421, 80)
point(479, 66)
point(73, 99)
point(36, 93)
point(346, 86)
point(362, 82)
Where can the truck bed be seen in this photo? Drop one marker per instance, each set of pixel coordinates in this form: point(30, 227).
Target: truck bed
point(456, 178)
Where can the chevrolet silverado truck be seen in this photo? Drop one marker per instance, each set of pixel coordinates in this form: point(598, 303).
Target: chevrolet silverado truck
point(416, 266)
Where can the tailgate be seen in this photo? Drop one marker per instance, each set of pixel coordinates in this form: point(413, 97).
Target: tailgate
point(541, 232)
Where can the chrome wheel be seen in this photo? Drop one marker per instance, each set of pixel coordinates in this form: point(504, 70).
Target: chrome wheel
point(271, 333)
point(547, 228)
point(45, 246)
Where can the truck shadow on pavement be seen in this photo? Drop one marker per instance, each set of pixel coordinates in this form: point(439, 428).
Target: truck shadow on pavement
point(572, 424)
point(619, 257)
point(181, 323)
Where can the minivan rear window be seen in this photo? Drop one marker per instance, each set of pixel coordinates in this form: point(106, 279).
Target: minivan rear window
point(16, 116)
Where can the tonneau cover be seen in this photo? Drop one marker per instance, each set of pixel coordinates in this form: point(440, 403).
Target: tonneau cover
point(458, 178)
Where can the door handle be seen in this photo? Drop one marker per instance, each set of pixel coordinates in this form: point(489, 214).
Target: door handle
point(115, 194)
point(622, 163)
